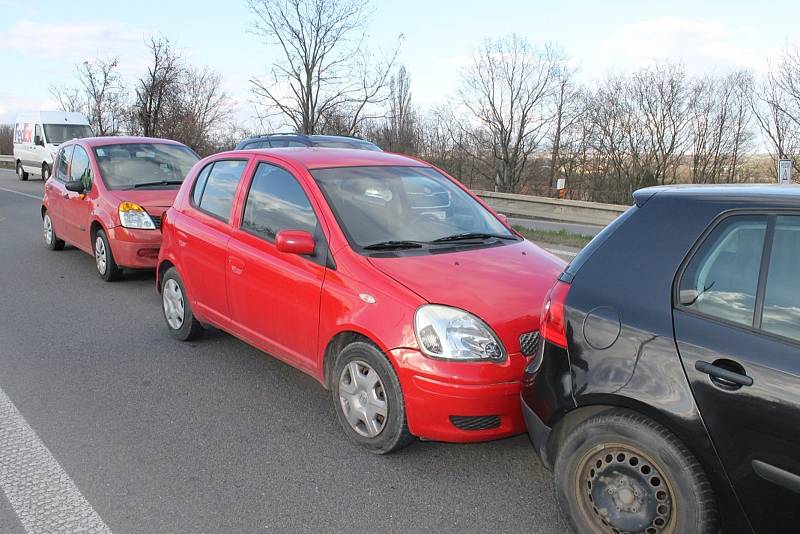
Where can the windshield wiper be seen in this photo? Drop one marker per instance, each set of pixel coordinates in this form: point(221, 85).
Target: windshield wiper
point(161, 182)
point(472, 235)
point(392, 245)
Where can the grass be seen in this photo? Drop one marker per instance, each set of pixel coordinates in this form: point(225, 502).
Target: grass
point(560, 237)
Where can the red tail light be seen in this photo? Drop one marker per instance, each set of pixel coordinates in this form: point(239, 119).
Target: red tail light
point(554, 324)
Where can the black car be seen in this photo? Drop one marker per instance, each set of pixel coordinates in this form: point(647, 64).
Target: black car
point(665, 395)
point(281, 140)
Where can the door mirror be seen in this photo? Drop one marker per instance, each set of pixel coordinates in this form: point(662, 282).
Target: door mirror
point(37, 140)
point(503, 219)
point(76, 186)
point(295, 242)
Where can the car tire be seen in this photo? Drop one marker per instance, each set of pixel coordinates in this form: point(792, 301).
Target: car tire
point(45, 172)
point(22, 174)
point(368, 399)
point(104, 261)
point(51, 239)
point(177, 309)
point(619, 471)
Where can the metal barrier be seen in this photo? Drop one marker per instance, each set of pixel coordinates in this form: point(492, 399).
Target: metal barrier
point(6, 159)
point(576, 211)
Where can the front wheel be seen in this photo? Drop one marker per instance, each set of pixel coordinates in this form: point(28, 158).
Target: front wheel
point(622, 472)
point(22, 174)
point(45, 172)
point(107, 268)
point(368, 399)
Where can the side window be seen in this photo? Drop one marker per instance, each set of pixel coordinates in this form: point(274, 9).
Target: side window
point(276, 202)
point(200, 184)
point(81, 170)
point(721, 279)
point(62, 166)
point(257, 144)
point(38, 133)
point(219, 187)
point(782, 292)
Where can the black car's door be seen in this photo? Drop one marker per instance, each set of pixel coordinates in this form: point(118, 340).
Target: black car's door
point(737, 327)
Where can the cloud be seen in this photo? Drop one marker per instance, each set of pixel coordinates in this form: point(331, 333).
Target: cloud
point(700, 45)
point(70, 41)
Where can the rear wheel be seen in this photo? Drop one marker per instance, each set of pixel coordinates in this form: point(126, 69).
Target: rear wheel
point(622, 472)
point(368, 399)
point(22, 174)
point(177, 309)
point(50, 238)
point(45, 172)
point(107, 268)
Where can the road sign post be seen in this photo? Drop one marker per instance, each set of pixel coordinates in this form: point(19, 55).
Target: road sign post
point(785, 171)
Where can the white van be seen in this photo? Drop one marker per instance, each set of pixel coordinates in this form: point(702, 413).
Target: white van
point(37, 136)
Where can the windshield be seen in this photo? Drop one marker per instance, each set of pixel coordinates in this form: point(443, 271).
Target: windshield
point(150, 165)
point(405, 207)
point(61, 133)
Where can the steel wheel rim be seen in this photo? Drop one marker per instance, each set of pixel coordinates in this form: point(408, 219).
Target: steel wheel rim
point(172, 298)
point(598, 476)
point(363, 398)
point(48, 230)
point(100, 255)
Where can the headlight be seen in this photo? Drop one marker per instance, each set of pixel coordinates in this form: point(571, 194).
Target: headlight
point(453, 334)
point(133, 216)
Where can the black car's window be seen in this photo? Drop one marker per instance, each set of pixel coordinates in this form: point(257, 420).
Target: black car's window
point(81, 170)
point(721, 280)
point(62, 165)
point(216, 196)
point(281, 143)
point(257, 144)
point(782, 293)
point(276, 202)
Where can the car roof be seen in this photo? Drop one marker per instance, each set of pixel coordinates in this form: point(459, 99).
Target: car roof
point(724, 192)
point(318, 158)
point(124, 140)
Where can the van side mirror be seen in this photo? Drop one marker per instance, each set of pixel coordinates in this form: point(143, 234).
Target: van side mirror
point(295, 242)
point(76, 186)
point(37, 140)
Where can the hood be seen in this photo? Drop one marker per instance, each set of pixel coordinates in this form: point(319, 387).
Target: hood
point(155, 201)
point(505, 285)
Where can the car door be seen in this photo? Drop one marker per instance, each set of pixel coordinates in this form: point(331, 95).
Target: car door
point(56, 192)
point(76, 207)
point(203, 233)
point(737, 327)
point(274, 295)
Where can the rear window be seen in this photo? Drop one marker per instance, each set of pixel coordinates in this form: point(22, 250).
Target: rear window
point(587, 251)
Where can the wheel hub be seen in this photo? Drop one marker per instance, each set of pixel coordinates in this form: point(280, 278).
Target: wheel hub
point(625, 492)
point(363, 398)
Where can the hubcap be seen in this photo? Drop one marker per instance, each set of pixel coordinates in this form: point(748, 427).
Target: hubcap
point(624, 492)
point(363, 398)
point(48, 230)
point(172, 298)
point(100, 255)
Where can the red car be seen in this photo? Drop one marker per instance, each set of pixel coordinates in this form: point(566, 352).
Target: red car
point(377, 274)
point(106, 196)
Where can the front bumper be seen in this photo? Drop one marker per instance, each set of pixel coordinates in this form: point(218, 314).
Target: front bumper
point(460, 402)
point(135, 249)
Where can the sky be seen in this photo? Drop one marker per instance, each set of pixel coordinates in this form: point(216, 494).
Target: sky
point(42, 41)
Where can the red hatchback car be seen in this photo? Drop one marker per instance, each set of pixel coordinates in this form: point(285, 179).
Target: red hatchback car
point(106, 197)
point(377, 274)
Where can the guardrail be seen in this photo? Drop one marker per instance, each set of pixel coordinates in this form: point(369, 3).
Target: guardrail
point(532, 207)
point(7, 159)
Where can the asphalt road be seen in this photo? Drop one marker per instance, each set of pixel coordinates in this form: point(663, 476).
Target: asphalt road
point(214, 436)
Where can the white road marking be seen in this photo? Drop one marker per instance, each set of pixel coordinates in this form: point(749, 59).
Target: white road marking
point(42, 494)
point(21, 193)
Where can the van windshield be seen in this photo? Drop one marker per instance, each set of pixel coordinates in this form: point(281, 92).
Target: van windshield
point(61, 133)
point(139, 165)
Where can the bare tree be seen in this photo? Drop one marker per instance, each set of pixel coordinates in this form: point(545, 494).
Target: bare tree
point(566, 113)
point(157, 89)
point(6, 139)
point(325, 79)
point(106, 98)
point(506, 90)
point(68, 98)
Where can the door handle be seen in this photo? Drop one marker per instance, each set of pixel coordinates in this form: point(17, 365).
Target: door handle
point(724, 377)
point(237, 265)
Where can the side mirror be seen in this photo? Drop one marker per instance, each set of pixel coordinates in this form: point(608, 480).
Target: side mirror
point(76, 186)
point(295, 242)
point(503, 219)
point(37, 140)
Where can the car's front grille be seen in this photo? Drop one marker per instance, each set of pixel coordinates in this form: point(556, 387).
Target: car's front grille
point(528, 343)
point(475, 422)
point(156, 221)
